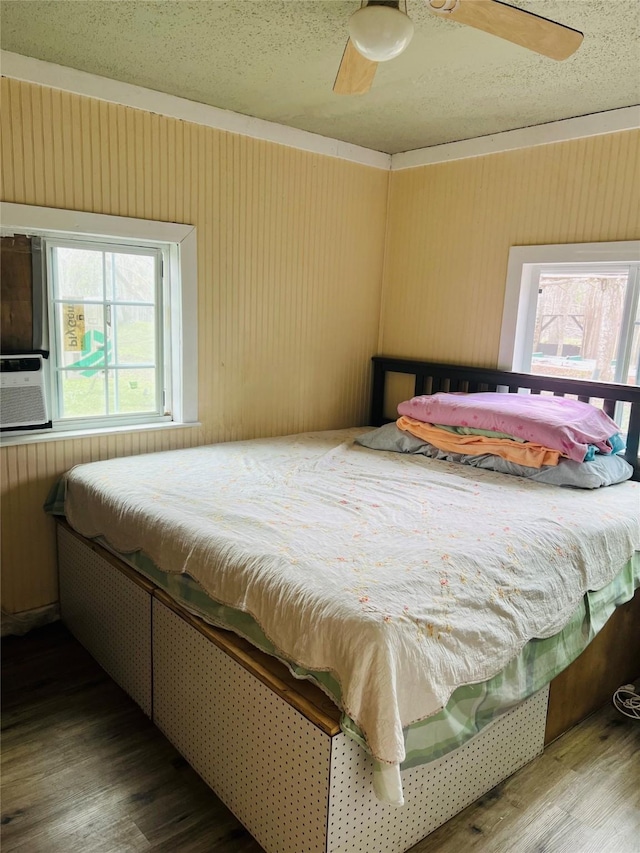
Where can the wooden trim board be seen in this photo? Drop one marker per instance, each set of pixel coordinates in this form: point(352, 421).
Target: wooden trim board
point(609, 661)
point(301, 695)
point(67, 79)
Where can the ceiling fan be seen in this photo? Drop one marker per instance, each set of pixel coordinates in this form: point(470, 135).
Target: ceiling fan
point(379, 31)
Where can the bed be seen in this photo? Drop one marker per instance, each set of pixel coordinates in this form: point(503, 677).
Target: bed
point(276, 749)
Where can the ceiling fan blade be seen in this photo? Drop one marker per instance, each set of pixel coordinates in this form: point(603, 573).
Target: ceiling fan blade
point(355, 74)
point(524, 28)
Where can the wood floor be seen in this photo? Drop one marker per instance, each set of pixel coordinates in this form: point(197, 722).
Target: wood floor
point(84, 771)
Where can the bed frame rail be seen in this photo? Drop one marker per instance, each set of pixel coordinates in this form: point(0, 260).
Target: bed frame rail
point(432, 377)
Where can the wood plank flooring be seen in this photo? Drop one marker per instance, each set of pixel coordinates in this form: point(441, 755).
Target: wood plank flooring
point(84, 771)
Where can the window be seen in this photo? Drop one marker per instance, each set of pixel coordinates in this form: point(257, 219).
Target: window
point(107, 333)
point(574, 311)
point(120, 325)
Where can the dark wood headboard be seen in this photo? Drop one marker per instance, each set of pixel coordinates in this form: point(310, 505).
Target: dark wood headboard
point(430, 378)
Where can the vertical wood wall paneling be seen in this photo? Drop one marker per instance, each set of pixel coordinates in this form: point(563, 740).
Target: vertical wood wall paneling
point(290, 248)
point(450, 227)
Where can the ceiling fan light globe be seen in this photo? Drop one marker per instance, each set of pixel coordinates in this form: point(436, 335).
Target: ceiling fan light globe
point(380, 33)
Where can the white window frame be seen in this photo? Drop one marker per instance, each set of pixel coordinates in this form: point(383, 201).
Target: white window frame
point(180, 246)
point(163, 381)
point(519, 314)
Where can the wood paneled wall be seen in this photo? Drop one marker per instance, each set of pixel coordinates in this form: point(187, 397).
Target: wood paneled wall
point(451, 225)
point(290, 256)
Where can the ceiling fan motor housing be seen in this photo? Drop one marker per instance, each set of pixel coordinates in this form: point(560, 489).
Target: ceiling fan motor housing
point(443, 7)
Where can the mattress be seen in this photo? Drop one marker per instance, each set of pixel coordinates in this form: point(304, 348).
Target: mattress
point(363, 565)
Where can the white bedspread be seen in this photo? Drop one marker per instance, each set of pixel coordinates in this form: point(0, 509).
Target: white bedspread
point(404, 576)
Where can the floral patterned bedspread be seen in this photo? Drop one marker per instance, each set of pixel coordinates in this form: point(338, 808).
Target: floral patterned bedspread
point(404, 576)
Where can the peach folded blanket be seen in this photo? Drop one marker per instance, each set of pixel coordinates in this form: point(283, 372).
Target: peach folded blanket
point(529, 453)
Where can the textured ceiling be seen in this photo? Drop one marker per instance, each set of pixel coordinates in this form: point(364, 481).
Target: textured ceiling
point(278, 60)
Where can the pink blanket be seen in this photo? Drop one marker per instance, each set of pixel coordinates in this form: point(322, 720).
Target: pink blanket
point(555, 422)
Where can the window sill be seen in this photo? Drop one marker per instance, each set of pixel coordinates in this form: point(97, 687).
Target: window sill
point(37, 436)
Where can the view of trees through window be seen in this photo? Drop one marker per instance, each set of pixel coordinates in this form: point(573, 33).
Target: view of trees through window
point(581, 330)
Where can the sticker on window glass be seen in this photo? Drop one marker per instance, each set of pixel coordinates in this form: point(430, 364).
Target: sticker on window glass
point(73, 327)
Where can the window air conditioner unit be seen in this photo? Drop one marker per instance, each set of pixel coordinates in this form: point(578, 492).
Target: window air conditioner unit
point(23, 400)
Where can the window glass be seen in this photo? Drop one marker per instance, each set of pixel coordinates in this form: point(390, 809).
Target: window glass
point(78, 274)
point(82, 393)
point(107, 325)
point(579, 328)
point(133, 278)
point(132, 390)
point(134, 334)
point(80, 334)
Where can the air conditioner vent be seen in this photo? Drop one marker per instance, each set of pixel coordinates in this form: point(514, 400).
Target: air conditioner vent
point(23, 401)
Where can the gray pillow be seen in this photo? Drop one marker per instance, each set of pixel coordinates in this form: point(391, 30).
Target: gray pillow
point(389, 437)
point(601, 471)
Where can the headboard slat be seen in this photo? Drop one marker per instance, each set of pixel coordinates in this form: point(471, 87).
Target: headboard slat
point(633, 439)
point(420, 384)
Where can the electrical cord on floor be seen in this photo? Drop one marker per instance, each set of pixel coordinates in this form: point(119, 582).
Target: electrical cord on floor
point(627, 701)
